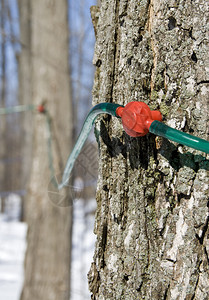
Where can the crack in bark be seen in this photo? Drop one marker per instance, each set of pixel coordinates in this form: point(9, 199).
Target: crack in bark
point(104, 237)
point(166, 293)
point(149, 26)
point(171, 260)
point(204, 230)
point(203, 82)
point(148, 239)
point(206, 254)
point(196, 284)
point(140, 286)
point(117, 3)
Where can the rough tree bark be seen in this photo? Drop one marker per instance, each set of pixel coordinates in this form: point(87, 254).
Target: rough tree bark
point(47, 262)
point(152, 195)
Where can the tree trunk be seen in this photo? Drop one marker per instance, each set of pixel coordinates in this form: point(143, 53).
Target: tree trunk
point(25, 95)
point(3, 102)
point(152, 194)
point(47, 262)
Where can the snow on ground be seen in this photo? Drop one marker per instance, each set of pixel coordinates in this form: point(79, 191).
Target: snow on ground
point(13, 245)
point(12, 249)
point(83, 247)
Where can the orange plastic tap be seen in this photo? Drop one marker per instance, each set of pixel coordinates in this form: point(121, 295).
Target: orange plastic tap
point(137, 118)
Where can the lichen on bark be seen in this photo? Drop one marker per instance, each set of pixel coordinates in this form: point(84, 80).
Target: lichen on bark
point(152, 194)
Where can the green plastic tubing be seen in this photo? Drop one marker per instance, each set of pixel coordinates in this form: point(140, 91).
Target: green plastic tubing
point(158, 128)
point(102, 108)
point(15, 109)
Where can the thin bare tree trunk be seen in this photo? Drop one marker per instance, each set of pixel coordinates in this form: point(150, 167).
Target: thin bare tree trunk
point(9, 131)
point(25, 95)
point(152, 194)
point(47, 263)
point(3, 101)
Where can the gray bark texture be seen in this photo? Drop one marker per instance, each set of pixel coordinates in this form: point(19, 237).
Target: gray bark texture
point(152, 194)
point(47, 262)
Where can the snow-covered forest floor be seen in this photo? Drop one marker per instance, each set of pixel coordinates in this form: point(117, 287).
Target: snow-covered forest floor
point(13, 245)
point(12, 250)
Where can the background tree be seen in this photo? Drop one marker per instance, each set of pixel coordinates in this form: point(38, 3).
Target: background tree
point(25, 94)
point(10, 158)
point(3, 98)
point(152, 194)
point(47, 263)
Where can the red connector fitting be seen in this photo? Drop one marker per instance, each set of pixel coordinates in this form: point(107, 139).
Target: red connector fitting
point(137, 118)
point(41, 108)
